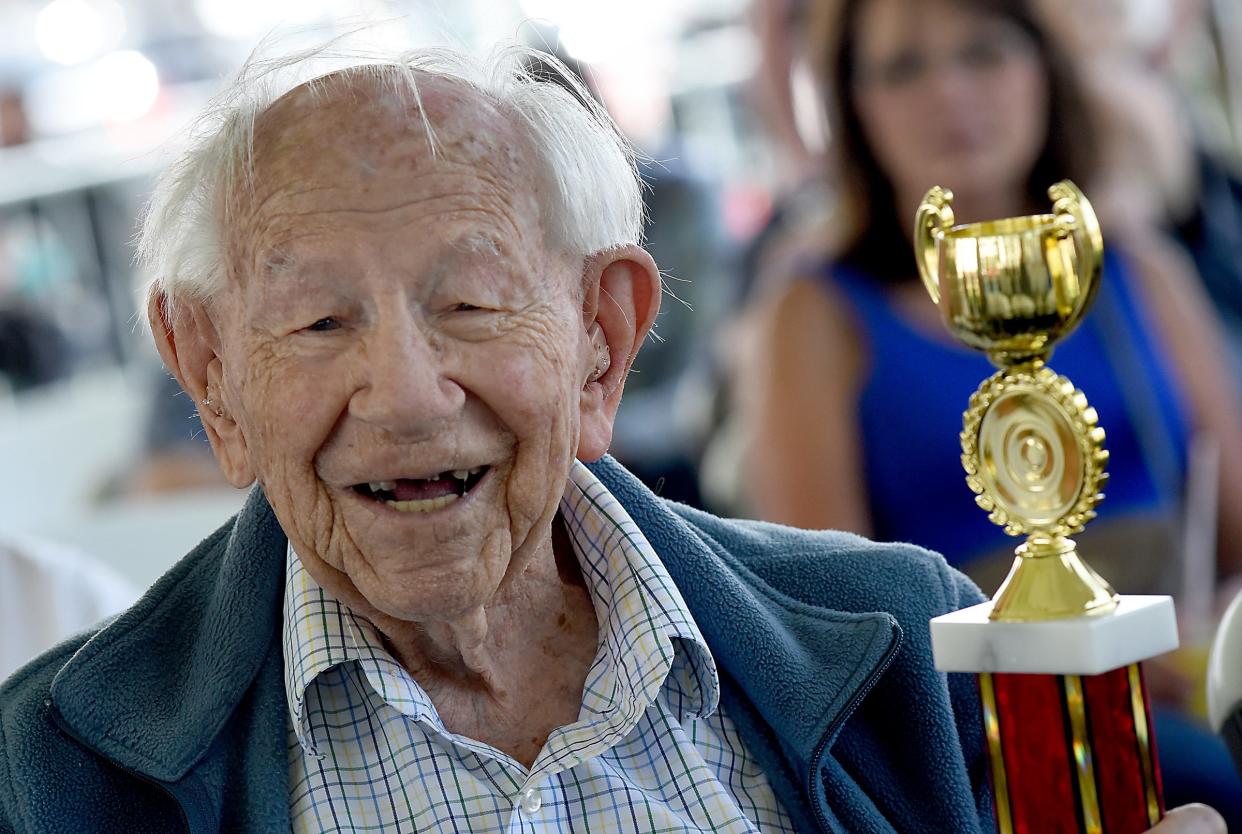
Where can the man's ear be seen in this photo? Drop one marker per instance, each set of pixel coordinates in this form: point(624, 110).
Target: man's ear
point(621, 296)
point(188, 342)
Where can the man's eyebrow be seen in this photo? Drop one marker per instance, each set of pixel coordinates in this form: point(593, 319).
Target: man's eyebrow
point(279, 260)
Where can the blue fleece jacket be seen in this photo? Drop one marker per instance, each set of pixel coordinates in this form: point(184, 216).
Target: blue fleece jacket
point(172, 717)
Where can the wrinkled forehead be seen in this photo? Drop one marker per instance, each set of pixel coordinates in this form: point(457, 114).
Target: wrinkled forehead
point(365, 139)
point(372, 111)
point(355, 127)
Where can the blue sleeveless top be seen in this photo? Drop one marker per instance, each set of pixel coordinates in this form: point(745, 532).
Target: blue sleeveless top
point(917, 387)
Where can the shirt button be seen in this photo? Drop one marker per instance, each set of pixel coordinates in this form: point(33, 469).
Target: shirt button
point(530, 801)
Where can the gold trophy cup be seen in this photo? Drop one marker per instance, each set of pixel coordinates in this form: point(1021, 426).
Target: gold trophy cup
point(1033, 453)
point(1057, 652)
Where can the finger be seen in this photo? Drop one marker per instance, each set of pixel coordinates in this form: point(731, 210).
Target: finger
point(1191, 819)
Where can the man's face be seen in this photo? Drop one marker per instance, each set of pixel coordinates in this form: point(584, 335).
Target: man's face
point(402, 357)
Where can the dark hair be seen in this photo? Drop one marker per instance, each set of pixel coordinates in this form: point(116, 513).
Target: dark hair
point(874, 241)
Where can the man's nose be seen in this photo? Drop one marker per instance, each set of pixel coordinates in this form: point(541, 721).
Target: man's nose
point(407, 389)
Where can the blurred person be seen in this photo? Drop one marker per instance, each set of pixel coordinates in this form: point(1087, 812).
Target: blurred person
point(991, 125)
point(779, 27)
point(803, 184)
point(14, 123)
point(1162, 168)
point(33, 349)
point(49, 592)
point(853, 393)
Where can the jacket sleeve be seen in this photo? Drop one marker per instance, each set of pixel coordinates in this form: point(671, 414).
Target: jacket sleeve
point(7, 799)
point(961, 592)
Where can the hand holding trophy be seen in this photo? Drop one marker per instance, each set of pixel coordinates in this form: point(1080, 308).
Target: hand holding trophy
point(1065, 710)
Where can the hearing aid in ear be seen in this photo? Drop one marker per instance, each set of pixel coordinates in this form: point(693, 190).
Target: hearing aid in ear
point(602, 357)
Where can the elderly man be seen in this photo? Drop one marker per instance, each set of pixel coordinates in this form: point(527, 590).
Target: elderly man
point(407, 297)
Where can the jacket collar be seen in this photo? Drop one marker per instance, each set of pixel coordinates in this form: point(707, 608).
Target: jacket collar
point(802, 667)
point(152, 690)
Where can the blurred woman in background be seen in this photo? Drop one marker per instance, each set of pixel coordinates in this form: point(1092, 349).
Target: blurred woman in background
point(852, 398)
point(971, 96)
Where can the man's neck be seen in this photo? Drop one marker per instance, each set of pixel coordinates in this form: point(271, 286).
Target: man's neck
point(513, 670)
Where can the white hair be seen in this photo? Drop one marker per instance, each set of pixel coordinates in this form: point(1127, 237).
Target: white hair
point(596, 189)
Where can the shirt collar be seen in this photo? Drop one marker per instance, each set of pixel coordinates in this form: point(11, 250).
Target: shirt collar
point(315, 637)
point(648, 638)
point(320, 633)
point(647, 633)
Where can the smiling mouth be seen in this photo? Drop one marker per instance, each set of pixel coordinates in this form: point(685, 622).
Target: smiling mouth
point(423, 495)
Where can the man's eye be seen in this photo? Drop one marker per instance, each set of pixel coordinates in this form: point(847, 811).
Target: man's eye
point(465, 308)
point(324, 325)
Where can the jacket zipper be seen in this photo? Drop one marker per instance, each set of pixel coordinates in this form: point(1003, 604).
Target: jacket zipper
point(846, 712)
point(63, 726)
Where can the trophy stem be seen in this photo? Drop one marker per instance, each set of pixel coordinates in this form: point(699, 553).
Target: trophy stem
point(1049, 581)
point(1031, 359)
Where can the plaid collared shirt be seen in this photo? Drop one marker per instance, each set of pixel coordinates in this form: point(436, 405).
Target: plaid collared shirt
point(651, 751)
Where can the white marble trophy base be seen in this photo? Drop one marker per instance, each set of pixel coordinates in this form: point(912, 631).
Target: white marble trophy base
point(1140, 627)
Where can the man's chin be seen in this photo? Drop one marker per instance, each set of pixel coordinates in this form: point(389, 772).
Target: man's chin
point(438, 592)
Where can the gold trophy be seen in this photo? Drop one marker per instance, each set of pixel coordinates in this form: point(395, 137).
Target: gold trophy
point(1064, 706)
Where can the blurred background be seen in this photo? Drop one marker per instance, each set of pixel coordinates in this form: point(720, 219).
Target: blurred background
point(794, 375)
point(720, 95)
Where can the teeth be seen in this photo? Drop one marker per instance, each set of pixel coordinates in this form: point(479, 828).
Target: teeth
point(459, 474)
point(424, 505)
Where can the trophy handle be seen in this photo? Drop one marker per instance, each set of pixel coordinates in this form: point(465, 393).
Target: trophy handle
point(1075, 217)
point(934, 217)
